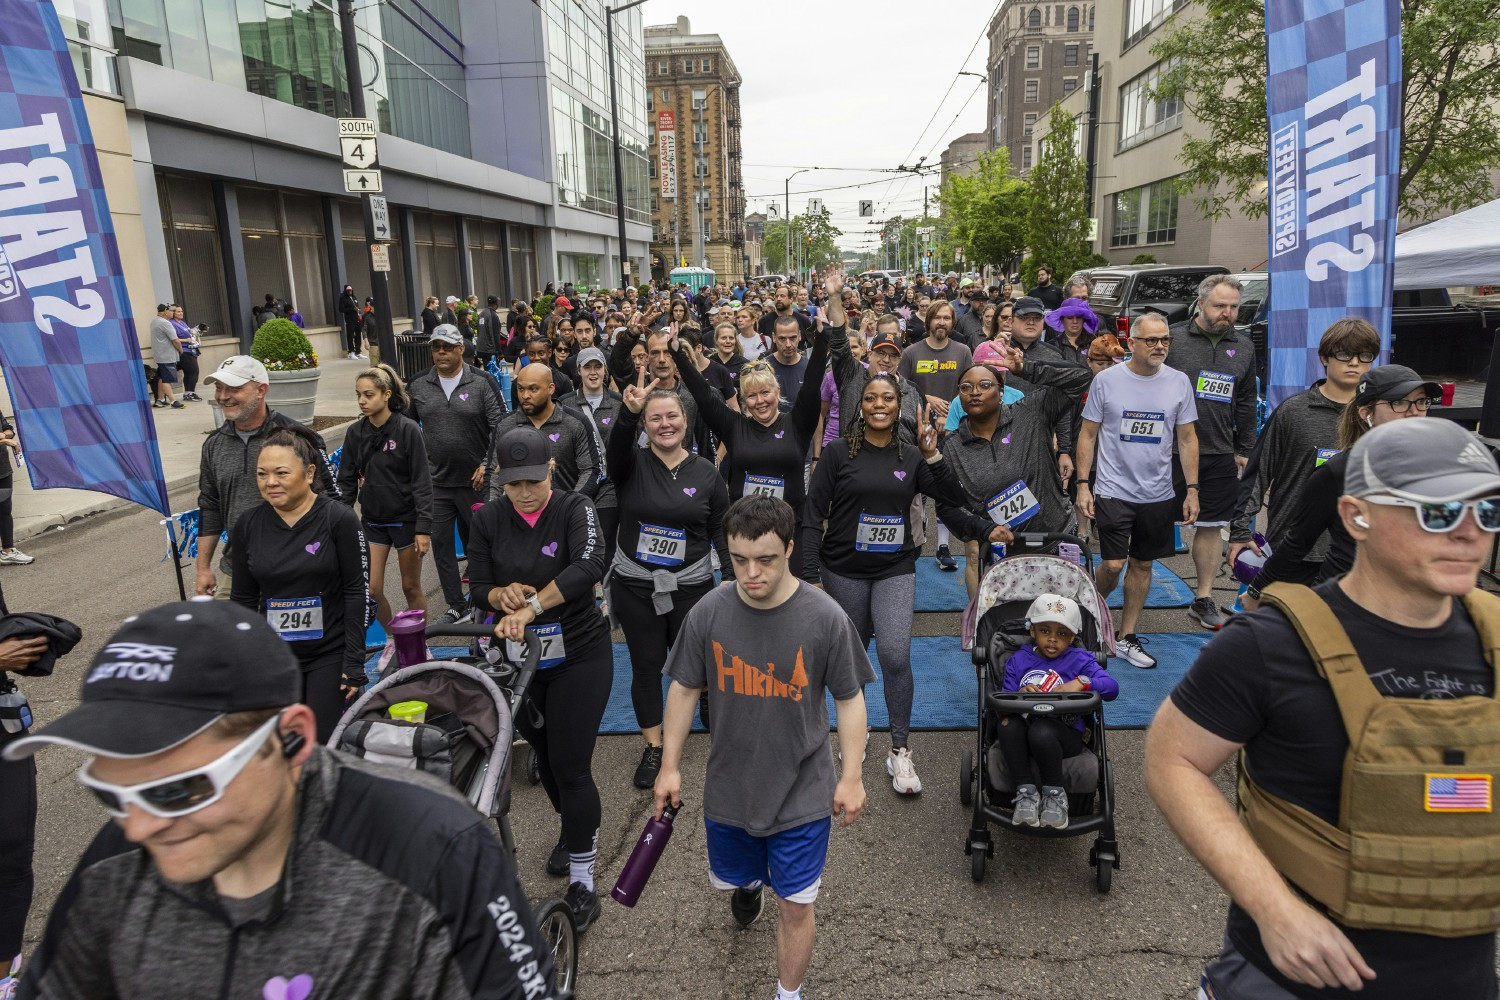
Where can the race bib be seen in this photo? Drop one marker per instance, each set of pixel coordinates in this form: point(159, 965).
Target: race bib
point(764, 486)
point(1324, 454)
point(1014, 506)
point(1217, 387)
point(551, 638)
point(296, 618)
point(661, 546)
point(1142, 426)
point(880, 533)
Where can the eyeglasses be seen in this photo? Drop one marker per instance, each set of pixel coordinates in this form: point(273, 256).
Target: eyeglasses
point(1151, 341)
point(983, 385)
point(1440, 518)
point(180, 794)
point(1365, 357)
point(1423, 404)
point(440, 346)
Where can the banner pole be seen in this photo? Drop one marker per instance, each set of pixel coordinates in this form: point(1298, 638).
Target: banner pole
point(176, 561)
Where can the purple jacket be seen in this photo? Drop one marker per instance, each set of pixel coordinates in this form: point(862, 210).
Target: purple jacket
point(1027, 666)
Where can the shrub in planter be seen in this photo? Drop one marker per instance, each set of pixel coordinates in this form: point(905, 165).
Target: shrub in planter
point(282, 347)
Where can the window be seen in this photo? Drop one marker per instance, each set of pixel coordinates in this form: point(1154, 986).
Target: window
point(1070, 56)
point(708, 65)
point(700, 167)
point(1141, 116)
point(687, 67)
point(190, 226)
point(1070, 84)
point(1034, 19)
point(1161, 216)
point(1026, 157)
point(700, 132)
point(1126, 231)
point(1033, 57)
point(1030, 124)
point(1072, 18)
point(1031, 91)
point(666, 96)
point(651, 106)
point(1143, 17)
point(282, 236)
point(1091, 19)
point(1146, 214)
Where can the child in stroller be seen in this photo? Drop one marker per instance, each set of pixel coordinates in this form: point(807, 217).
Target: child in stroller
point(1035, 746)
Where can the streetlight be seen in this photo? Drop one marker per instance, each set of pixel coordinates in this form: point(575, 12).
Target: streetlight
point(614, 122)
point(788, 206)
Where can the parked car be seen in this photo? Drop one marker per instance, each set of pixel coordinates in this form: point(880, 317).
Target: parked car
point(1121, 293)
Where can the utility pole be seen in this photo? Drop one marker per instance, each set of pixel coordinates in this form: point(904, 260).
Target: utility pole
point(380, 289)
point(1093, 138)
point(614, 118)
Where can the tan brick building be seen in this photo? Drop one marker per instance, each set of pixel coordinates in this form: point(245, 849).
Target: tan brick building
point(1038, 55)
point(692, 77)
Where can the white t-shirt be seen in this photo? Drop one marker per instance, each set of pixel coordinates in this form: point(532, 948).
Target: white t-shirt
point(1138, 418)
point(449, 384)
point(751, 347)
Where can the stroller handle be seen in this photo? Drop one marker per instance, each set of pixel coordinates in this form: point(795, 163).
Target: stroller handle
point(471, 631)
point(1036, 539)
point(1045, 702)
point(531, 654)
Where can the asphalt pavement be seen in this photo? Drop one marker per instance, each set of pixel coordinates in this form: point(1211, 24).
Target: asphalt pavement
point(898, 915)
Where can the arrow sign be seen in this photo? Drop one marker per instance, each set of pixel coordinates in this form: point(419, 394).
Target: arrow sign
point(866, 209)
point(359, 152)
point(362, 181)
point(382, 216)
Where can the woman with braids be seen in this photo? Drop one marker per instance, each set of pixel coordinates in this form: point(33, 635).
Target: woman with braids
point(299, 558)
point(385, 466)
point(864, 486)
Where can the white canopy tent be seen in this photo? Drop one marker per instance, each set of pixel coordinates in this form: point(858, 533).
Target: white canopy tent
point(1463, 249)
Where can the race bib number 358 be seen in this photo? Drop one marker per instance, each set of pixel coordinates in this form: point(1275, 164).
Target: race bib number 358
point(1142, 426)
point(880, 533)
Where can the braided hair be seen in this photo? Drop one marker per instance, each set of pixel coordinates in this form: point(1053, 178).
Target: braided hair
point(856, 435)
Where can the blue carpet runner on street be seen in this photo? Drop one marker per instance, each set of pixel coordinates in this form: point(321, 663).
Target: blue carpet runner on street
point(939, 591)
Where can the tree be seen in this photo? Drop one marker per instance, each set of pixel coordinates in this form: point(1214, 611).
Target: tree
point(813, 243)
point(1057, 212)
point(985, 212)
point(1450, 132)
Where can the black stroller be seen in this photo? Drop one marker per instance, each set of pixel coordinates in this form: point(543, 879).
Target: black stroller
point(1005, 593)
point(466, 740)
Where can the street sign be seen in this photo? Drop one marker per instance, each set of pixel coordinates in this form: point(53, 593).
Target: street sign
point(358, 152)
point(1093, 228)
point(357, 128)
point(815, 206)
point(380, 257)
point(866, 209)
point(926, 230)
point(382, 216)
point(773, 210)
point(362, 181)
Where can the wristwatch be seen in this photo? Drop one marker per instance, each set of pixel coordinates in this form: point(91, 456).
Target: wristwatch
point(535, 603)
point(1084, 680)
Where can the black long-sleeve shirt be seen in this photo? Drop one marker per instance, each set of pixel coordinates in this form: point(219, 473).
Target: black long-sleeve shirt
point(307, 577)
point(668, 517)
point(386, 468)
point(456, 427)
point(572, 443)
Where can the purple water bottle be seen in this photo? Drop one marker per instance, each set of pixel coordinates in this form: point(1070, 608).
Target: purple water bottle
point(1247, 565)
point(642, 860)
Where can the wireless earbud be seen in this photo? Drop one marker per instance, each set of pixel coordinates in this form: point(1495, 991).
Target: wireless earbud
point(291, 743)
point(1369, 421)
point(1360, 520)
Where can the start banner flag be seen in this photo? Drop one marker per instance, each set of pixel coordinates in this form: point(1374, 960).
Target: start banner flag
point(67, 340)
point(1334, 98)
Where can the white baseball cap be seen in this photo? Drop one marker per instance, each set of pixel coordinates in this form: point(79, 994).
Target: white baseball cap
point(237, 370)
point(1056, 608)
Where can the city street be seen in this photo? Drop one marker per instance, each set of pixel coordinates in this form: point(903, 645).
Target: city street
point(898, 915)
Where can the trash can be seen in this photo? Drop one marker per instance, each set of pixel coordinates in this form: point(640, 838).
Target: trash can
point(414, 354)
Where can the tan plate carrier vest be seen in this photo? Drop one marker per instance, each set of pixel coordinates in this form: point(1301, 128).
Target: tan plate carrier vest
point(1391, 863)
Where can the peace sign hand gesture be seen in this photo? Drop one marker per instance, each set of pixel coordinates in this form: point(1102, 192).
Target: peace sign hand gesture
point(927, 436)
point(635, 395)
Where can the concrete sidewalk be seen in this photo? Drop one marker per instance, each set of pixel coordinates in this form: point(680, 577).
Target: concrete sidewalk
point(180, 435)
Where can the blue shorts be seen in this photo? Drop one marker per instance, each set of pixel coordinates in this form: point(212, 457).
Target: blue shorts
point(791, 861)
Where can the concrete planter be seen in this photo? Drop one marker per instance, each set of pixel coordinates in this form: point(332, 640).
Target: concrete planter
point(292, 393)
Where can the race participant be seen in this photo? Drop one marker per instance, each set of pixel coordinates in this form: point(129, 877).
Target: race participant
point(850, 373)
point(828, 390)
point(865, 487)
point(1126, 487)
point(933, 365)
point(765, 448)
point(716, 375)
point(226, 473)
point(752, 344)
point(659, 365)
point(458, 408)
point(539, 351)
point(1387, 393)
point(1405, 636)
point(767, 651)
point(788, 361)
point(572, 442)
point(1072, 325)
point(1302, 433)
point(785, 306)
point(537, 554)
point(992, 354)
point(672, 505)
point(1045, 291)
point(1002, 454)
point(601, 405)
point(1220, 364)
point(304, 567)
point(727, 347)
point(245, 860)
point(1001, 322)
point(385, 468)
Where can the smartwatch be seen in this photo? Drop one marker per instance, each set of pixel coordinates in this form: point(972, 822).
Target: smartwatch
point(1084, 680)
point(535, 603)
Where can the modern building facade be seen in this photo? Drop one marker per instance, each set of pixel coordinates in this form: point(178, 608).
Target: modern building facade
point(1038, 55)
point(223, 162)
point(698, 209)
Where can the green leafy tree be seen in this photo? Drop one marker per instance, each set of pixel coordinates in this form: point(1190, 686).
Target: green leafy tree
point(1450, 123)
point(985, 213)
point(1057, 214)
point(815, 235)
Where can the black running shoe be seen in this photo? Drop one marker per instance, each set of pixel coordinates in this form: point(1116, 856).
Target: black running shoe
point(557, 861)
point(945, 560)
point(456, 616)
point(746, 905)
point(650, 767)
point(585, 906)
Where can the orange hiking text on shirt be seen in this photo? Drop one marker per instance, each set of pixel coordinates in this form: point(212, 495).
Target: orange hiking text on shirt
point(750, 680)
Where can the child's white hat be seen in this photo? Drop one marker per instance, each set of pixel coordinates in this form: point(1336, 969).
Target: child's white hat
point(1056, 608)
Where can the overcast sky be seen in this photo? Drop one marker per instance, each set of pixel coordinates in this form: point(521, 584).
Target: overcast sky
point(846, 83)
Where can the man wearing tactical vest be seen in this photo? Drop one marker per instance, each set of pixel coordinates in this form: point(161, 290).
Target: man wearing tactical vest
point(1366, 852)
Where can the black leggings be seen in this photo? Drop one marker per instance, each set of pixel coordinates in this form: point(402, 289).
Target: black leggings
point(648, 636)
point(188, 365)
point(1034, 747)
point(7, 522)
point(320, 692)
point(17, 839)
point(571, 699)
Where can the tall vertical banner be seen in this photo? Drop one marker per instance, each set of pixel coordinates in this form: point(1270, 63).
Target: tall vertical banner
point(666, 153)
point(67, 340)
point(1334, 97)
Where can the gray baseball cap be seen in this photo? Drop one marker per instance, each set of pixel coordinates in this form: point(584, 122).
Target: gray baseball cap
point(1390, 382)
point(447, 333)
point(590, 355)
point(1429, 460)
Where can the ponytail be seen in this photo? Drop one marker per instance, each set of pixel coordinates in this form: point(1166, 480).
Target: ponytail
point(386, 380)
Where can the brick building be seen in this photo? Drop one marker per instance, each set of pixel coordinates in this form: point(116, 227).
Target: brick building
point(1038, 55)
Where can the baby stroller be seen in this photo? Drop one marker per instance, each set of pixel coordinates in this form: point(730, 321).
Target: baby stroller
point(465, 740)
point(1005, 593)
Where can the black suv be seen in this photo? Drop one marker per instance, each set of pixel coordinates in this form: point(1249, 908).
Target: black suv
point(1123, 292)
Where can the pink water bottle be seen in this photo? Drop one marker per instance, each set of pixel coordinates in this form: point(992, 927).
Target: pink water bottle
point(642, 860)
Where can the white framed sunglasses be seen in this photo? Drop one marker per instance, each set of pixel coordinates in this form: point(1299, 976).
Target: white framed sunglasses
point(1440, 518)
point(180, 794)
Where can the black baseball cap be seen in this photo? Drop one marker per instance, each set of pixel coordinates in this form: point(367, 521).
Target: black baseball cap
point(1029, 305)
point(522, 453)
point(170, 673)
point(1390, 382)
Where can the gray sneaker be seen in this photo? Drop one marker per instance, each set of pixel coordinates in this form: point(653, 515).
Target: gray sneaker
point(1028, 802)
point(1054, 807)
point(1131, 648)
point(1206, 613)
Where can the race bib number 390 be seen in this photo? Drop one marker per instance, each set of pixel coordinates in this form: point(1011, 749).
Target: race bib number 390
point(1217, 387)
point(1142, 426)
point(661, 546)
point(765, 486)
point(296, 618)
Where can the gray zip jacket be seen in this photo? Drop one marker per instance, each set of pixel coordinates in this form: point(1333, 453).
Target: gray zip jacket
point(573, 444)
point(1302, 433)
point(1224, 427)
point(457, 428)
point(394, 888)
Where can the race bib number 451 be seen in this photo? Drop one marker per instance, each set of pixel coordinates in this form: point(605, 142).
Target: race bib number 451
point(765, 486)
point(1142, 426)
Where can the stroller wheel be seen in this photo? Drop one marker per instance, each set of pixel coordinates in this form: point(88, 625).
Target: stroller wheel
point(555, 921)
point(977, 856)
point(966, 779)
point(1104, 874)
point(533, 767)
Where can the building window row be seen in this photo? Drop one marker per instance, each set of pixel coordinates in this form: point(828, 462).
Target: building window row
point(1144, 16)
point(1075, 19)
point(1147, 214)
point(1143, 116)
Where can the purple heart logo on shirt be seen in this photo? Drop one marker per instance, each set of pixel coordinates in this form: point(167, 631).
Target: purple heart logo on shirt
point(554, 437)
point(463, 395)
point(691, 491)
point(549, 550)
point(1230, 352)
point(1005, 440)
point(604, 420)
point(901, 474)
point(780, 435)
point(312, 549)
point(278, 988)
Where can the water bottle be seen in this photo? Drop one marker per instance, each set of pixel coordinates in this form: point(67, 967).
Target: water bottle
point(1247, 564)
point(642, 860)
point(15, 712)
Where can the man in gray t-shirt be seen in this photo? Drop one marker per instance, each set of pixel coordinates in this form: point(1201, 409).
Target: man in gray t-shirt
point(767, 647)
point(166, 349)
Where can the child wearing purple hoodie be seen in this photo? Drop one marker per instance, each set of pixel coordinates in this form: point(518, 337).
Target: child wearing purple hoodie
point(1035, 746)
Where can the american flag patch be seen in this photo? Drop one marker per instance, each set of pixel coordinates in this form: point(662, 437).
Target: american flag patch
point(1458, 793)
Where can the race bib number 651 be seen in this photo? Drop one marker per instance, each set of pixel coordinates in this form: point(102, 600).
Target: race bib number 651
point(1142, 426)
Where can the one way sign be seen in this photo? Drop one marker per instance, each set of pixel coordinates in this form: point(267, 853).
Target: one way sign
point(362, 181)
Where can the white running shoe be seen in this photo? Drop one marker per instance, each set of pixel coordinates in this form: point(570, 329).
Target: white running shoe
point(15, 557)
point(898, 764)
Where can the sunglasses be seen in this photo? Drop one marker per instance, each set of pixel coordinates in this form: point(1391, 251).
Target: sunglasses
point(180, 794)
point(442, 346)
point(1440, 518)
